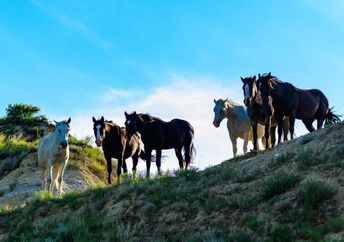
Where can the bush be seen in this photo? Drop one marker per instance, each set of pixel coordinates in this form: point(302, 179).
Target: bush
point(281, 233)
point(278, 184)
point(312, 193)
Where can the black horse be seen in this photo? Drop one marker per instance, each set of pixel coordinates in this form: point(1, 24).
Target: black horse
point(261, 113)
point(115, 144)
point(307, 105)
point(159, 135)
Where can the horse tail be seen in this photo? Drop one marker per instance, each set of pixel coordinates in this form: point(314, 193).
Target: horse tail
point(331, 118)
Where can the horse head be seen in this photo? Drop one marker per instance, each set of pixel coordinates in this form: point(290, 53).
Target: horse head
point(264, 86)
point(131, 123)
point(99, 128)
point(249, 88)
point(220, 111)
point(62, 128)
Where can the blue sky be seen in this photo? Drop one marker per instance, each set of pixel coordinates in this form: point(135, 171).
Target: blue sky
point(169, 58)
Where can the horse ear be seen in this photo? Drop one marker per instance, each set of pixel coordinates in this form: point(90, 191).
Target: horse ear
point(94, 120)
point(259, 75)
point(254, 78)
point(134, 113)
point(270, 84)
point(102, 119)
point(125, 114)
point(214, 100)
point(226, 100)
point(55, 122)
point(269, 75)
point(68, 121)
point(242, 79)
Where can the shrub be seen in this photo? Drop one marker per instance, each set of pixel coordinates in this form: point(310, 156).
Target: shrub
point(280, 160)
point(335, 225)
point(312, 193)
point(307, 230)
point(281, 233)
point(278, 184)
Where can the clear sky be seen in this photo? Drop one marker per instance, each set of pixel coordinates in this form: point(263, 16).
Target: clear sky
point(167, 58)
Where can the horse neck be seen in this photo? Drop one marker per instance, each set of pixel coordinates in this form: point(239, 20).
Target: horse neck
point(232, 114)
point(110, 131)
point(55, 137)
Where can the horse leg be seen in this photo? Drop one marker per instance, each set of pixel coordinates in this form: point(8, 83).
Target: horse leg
point(53, 181)
point(158, 160)
point(320, 122)
point(309, 124)
point(188, 153)
point(124, 166)
point(255, 135)
point(267, 132)
point(279, 120)
point(148, 160)
point(44, 180)
point(109, 168)
point(119, 169)
point(49, 176)
point(273, 136)
point(291, 125)
point(245, 142)
point(234, 145)
point(285, 124)
point(135, 159)
point(60, 179)
point(178, 152)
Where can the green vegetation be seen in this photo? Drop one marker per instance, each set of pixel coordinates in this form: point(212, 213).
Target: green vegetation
point(310, 231)
point(281, 233)
point(12, 151)
point(278, 184)
point(281, 160)
point(312, 193)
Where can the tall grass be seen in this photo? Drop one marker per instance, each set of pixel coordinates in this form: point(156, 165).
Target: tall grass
point(278, 184)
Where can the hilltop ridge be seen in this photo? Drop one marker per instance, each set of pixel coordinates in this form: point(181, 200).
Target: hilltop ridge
point(292, 192)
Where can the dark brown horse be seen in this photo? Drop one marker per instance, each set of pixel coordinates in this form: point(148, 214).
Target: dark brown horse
point(261, 113)
point(159, 135)
point(307, 105)
point(115, 144)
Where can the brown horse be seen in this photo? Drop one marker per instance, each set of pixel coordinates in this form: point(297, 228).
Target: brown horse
point(261, 113)
point(307, 105)
point(115, 144)
point(159, 135)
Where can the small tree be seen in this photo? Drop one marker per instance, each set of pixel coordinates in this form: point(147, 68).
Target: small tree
point(22, 112)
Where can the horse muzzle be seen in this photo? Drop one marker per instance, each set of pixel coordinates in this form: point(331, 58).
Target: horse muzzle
point(98, 142)
point(216, 124)
point(64, 145)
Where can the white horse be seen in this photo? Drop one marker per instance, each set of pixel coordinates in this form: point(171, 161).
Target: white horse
point(53, 155)
point(238, 123)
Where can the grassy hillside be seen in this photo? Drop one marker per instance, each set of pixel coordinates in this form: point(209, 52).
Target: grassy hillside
point(20, 175)
point(292, 192)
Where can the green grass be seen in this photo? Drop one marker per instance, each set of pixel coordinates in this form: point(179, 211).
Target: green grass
point(309, 231)
point(14, 149)
point(281, 160)
point(308, 158)
point(278, 184)
point(312, 193)
point(281, 233)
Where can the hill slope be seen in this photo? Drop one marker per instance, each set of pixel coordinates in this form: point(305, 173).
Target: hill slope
point(292, 192)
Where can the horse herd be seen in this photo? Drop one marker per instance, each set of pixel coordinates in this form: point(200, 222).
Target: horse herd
point(269, 104)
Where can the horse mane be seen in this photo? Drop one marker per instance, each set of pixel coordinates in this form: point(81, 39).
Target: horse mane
point(146, 117)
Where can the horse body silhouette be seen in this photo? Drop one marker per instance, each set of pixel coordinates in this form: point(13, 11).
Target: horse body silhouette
point(112, 138)
point(238, 123)
point(261, 113)
point(53, 155)
point(159, 135)
point(307, 105)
